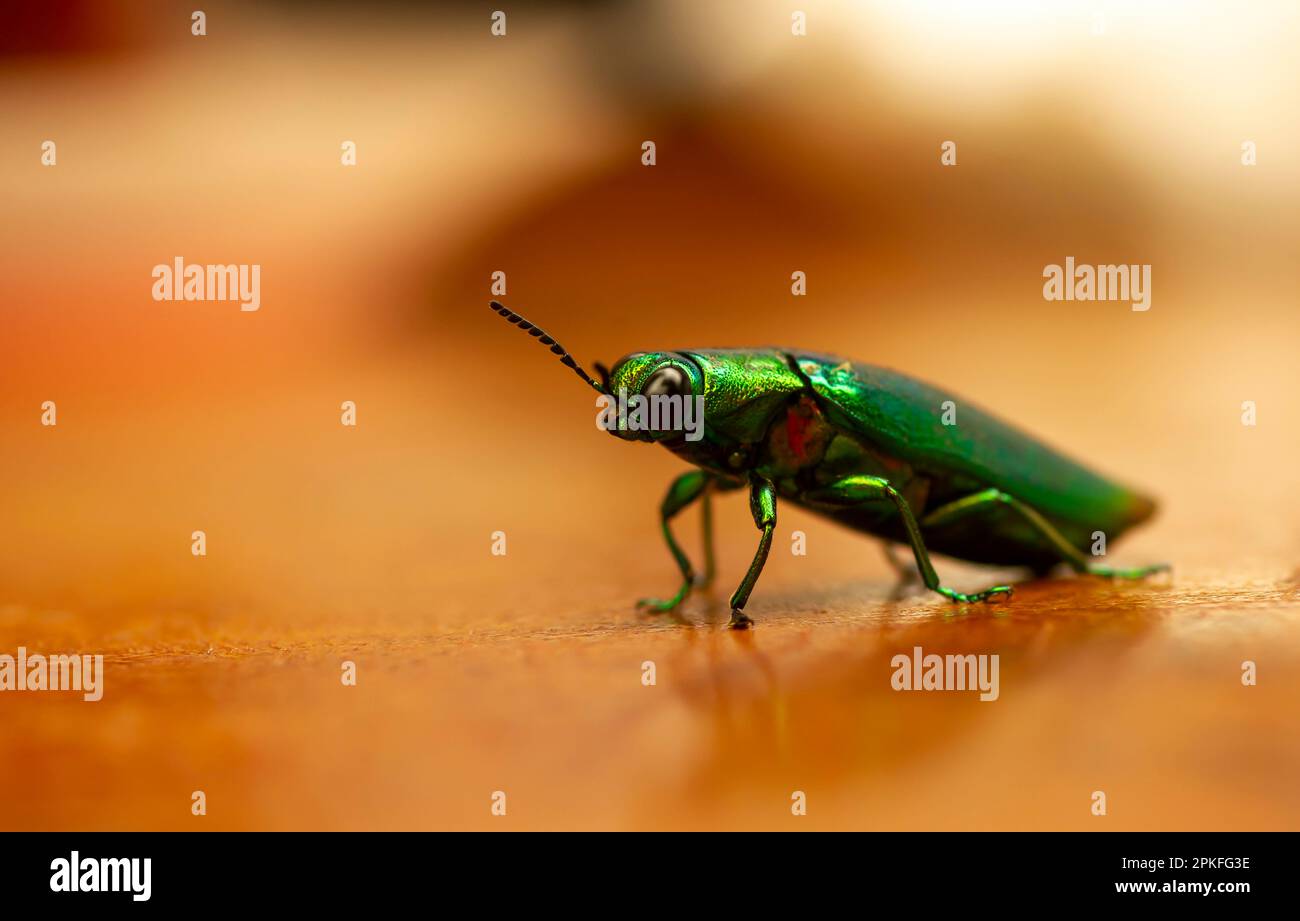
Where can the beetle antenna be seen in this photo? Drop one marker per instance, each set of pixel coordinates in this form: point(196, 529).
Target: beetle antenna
point(540, 335)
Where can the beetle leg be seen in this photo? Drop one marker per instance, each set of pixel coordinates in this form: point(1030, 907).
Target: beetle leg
point(684, 490)
point(706, 527)
point(858, 489)
point(1071, 554)
point(762, 504)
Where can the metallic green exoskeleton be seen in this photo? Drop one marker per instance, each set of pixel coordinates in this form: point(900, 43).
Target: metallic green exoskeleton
point(873, 449)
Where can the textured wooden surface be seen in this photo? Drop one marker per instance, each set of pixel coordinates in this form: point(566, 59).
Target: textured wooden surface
point(1131, 690)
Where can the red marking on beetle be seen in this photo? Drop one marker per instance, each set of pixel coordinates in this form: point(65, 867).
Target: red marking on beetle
point(796, 430)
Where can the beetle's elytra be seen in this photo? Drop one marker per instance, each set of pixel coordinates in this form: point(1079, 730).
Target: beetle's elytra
point(867, 447)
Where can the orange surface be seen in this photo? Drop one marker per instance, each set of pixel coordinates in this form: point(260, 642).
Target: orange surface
point(522, 673)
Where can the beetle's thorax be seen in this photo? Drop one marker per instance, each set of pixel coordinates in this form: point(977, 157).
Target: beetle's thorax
point(791, 438)
point(798, 439)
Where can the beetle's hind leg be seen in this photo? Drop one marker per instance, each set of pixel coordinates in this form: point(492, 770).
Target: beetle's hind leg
point(855, 490)
point(1077, 559)
point(1126, 572)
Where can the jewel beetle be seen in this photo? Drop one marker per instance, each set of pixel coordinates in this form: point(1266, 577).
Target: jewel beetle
point(871, 449)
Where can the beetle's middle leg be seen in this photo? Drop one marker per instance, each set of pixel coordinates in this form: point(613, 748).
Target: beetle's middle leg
point(1076, 558)
point(854, 490)
point(684, 490)
point(706, 527)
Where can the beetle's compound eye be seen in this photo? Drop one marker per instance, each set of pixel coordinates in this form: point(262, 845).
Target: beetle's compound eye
point(667, 381)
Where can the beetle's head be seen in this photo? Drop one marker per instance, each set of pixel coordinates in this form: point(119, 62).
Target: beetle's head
point(656, 397)
point(648, 396)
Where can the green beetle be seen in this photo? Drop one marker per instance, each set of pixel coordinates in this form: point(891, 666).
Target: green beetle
point(871, 449)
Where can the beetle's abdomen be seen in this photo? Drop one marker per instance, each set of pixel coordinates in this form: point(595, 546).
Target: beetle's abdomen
point(903, 417)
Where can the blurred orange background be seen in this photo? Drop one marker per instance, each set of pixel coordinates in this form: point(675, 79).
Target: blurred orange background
point(1113, 140)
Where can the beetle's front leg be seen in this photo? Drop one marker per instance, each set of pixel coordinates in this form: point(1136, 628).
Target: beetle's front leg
point(762, 504)
point(856, 489)
point(684, 490)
